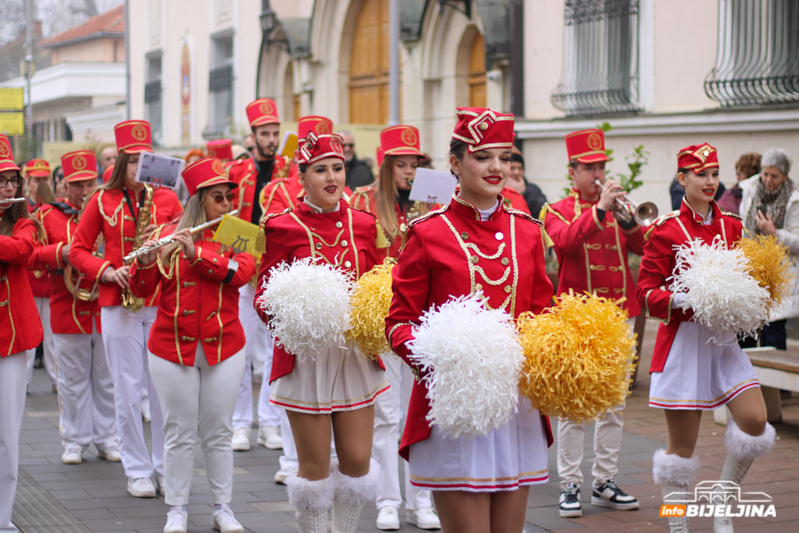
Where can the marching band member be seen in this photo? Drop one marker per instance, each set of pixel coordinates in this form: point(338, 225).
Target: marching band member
point(691, 371)
point(86, 389)
point(195, 357)
point(482, 483)
point(18, 333)
point(37, 181)
point(389, 200)
point(122, 211)
point(341, 385)
point(221, 149)
point(252, 176)
point(591, 246)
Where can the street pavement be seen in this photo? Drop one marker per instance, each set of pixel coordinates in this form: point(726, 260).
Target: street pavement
point(91, 497)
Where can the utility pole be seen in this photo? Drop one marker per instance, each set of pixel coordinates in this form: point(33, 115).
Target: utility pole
point(29, 68)
point(393, 58)
point(127, 60)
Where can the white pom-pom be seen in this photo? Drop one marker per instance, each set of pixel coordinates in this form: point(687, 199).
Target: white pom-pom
point(472, 362)
point(723, 295)
point(309, 304)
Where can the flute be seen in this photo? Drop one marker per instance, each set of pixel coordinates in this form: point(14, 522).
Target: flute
point(171, 238)
point(11, 200)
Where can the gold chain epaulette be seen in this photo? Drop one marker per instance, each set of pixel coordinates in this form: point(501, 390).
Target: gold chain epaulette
point(426, 216)
point(269, 216)
point(659, 222)
point(527, 216)
point(732, 215)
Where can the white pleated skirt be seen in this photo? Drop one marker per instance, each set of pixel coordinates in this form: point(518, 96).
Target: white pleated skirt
point(701, 373)
point(339, 380)
point(505, 459)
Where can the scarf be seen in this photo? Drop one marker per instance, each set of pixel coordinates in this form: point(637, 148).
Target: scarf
point(776, 202)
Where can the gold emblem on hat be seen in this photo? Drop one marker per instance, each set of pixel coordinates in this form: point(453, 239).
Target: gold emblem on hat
point(217, 167)
point(79, 162)
point(267, 108)
point(322, 128)
point(4, 150)
point(139, 132)
point(594, 141)
point(335, 144)
point(408, 137)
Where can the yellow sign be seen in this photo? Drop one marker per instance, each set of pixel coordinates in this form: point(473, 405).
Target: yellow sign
point(238, 234)
point(11, 99)
point(289, 144)
point(12, 124)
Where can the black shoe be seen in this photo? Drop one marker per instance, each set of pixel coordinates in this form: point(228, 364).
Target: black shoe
point(608, 494)
point(569, 504)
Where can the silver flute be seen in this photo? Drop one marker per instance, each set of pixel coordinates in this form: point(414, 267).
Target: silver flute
point(171, 238)
point(11, 200)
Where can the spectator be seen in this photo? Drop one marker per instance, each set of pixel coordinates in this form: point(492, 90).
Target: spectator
point(677, 192)
point(532, 194)
point(426, 162)
point(195, 154)
point(358, 172)
point(107, 158)
point(249, 143)
point(239, 152)
point(59, 187)
point(775, 193)
point(747, 166)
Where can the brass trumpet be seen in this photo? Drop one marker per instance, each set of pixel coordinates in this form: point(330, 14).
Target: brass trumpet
point(11, 200)
point(626, 210)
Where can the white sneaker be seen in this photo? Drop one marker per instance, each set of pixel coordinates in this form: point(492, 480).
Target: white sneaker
point(269, 436)
point(281, 475)
point(176, 521)
point(141, 487)
point(224, 521)
point(145, 410)
point(241, 439)
point(71, 456)
point(424, 518)
point(109, 453)
point(388, 518)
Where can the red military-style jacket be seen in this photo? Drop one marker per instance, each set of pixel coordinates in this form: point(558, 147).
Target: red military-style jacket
point(450, 252)
point(166, 205)
point(68, 315)
point(592, 252)
point(345, 238)
point(19, 331)
point(199, 301)
point(244, 173)
point(515, 200)
point(38, 278)
point(675, 229)
point(365, 198)
point(106, 212)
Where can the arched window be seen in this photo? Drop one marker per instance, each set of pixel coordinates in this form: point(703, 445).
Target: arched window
point(368, 85)
point(477, 73)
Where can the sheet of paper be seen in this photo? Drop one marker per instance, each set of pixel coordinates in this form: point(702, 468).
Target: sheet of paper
point(433, 186)
point(159, 170)
point(288, 145)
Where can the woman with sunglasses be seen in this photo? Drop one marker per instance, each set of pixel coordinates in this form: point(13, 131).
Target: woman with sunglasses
point(475, 243)
point(196, 345)
point(123, 211)
point(337, 389)
point(18, 233)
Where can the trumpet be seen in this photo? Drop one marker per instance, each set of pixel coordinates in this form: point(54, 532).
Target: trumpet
point(11, 200)
point(626, 210)
point(171, 238)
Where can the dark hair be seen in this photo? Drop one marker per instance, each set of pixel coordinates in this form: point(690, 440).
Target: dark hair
point(516, 158)
point(15, 212)
point(302, 167)
point(458, 149)
point(749, 164)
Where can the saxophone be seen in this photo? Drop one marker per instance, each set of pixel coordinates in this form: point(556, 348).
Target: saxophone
point(129, 301)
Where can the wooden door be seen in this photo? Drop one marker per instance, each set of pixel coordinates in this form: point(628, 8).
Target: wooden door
point(477, 73)
point(369, 92)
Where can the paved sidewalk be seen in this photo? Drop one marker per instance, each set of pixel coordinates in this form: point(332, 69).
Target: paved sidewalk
point(92, 497)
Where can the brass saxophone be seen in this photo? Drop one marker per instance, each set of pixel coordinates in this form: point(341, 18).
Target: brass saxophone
point(129, 301)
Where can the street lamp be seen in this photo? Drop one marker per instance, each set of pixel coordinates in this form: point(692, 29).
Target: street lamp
point(268, 20)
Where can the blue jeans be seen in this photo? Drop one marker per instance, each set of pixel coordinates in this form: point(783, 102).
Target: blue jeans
point(773, 334)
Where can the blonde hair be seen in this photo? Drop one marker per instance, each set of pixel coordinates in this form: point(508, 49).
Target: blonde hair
point(193, 216)
point(117, 179)
point(386, 197)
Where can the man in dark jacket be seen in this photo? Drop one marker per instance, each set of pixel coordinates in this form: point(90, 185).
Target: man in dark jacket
point(358, 172)
point(530, 191)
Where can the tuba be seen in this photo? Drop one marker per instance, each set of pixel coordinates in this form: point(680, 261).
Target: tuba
point(130, 302)
point(73, 285)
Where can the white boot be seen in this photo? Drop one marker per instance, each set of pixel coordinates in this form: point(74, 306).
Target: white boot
point(675, 474)
point(352, 493)
point(742, 450)
point(311, 500)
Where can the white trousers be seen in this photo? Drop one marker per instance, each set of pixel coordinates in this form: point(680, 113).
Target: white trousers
point(48, 345)
point(268, 413)
point(125, 337)
point(608, 433)
point(197, 402)
point(85, 392)
point(389, 421)
point(258, 350)
point(12, 409)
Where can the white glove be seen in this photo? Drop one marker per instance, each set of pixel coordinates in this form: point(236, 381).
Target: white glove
point(678, 301)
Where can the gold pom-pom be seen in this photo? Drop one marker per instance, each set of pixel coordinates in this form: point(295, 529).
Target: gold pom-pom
point(369, 308)
point(769, 261)
point(578, 357)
